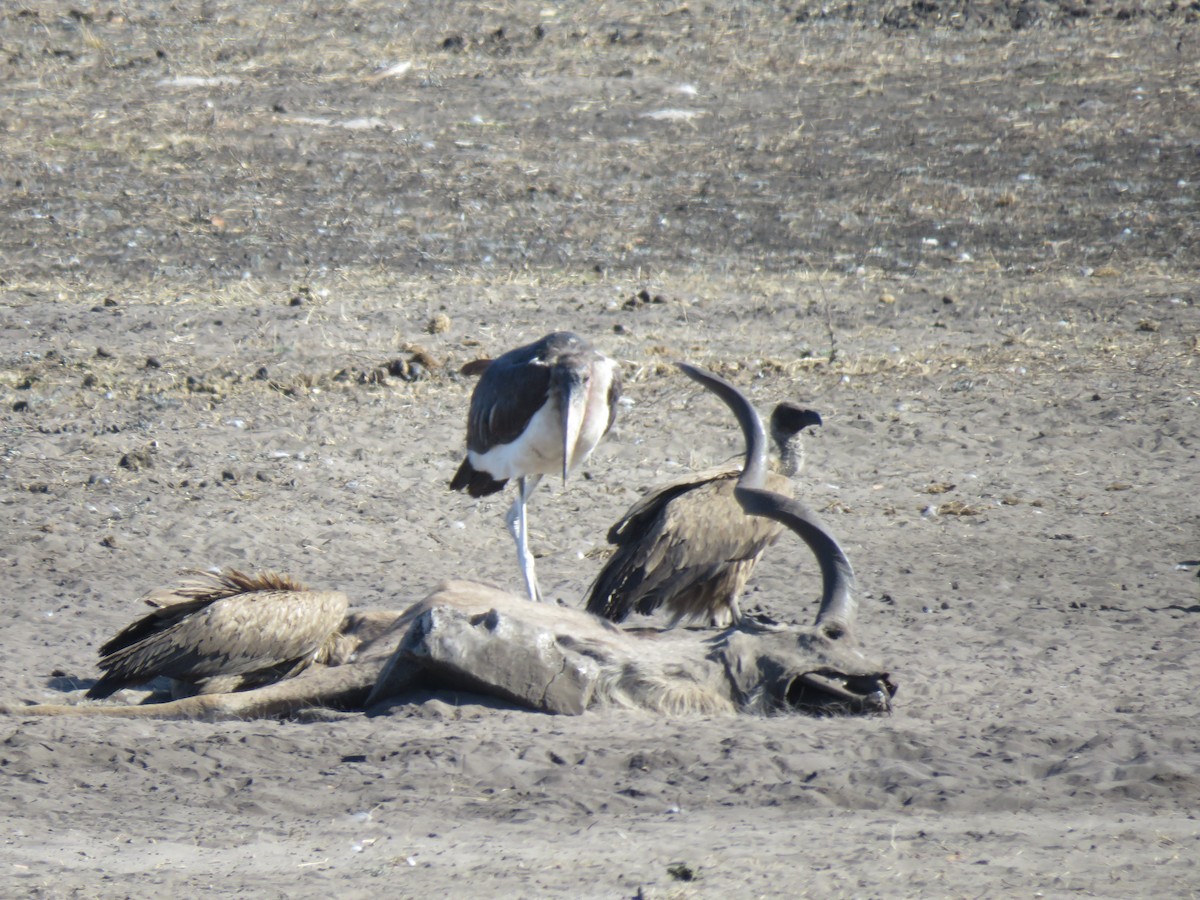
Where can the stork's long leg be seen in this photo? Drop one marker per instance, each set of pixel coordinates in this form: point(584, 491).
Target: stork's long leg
point(518, 525)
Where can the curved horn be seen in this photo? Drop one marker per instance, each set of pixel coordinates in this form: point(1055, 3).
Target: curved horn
point(838, 604)
point(754, 472)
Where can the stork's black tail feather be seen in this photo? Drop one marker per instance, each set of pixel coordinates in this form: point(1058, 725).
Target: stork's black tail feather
point(476, 483)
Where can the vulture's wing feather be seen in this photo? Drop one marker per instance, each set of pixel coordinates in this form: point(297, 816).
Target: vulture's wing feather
point(691, 554)
point(237, 634)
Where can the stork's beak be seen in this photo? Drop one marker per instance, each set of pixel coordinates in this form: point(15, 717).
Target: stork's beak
point(572, 400)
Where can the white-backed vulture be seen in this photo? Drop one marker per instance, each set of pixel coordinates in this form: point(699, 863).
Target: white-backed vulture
point(224, 632)
point(688, 547)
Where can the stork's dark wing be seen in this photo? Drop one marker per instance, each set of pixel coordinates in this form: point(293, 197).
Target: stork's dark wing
point(509, 392)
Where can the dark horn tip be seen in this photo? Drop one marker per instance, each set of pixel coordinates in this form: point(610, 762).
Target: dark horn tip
point(693, 372)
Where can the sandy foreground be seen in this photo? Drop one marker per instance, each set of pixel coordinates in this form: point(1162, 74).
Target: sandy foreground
point(206, 345)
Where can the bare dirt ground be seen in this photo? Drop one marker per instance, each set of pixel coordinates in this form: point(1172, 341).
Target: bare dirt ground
point(966, 233)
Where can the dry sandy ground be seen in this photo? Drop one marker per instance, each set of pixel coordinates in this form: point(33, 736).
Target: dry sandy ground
point(195, 343)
